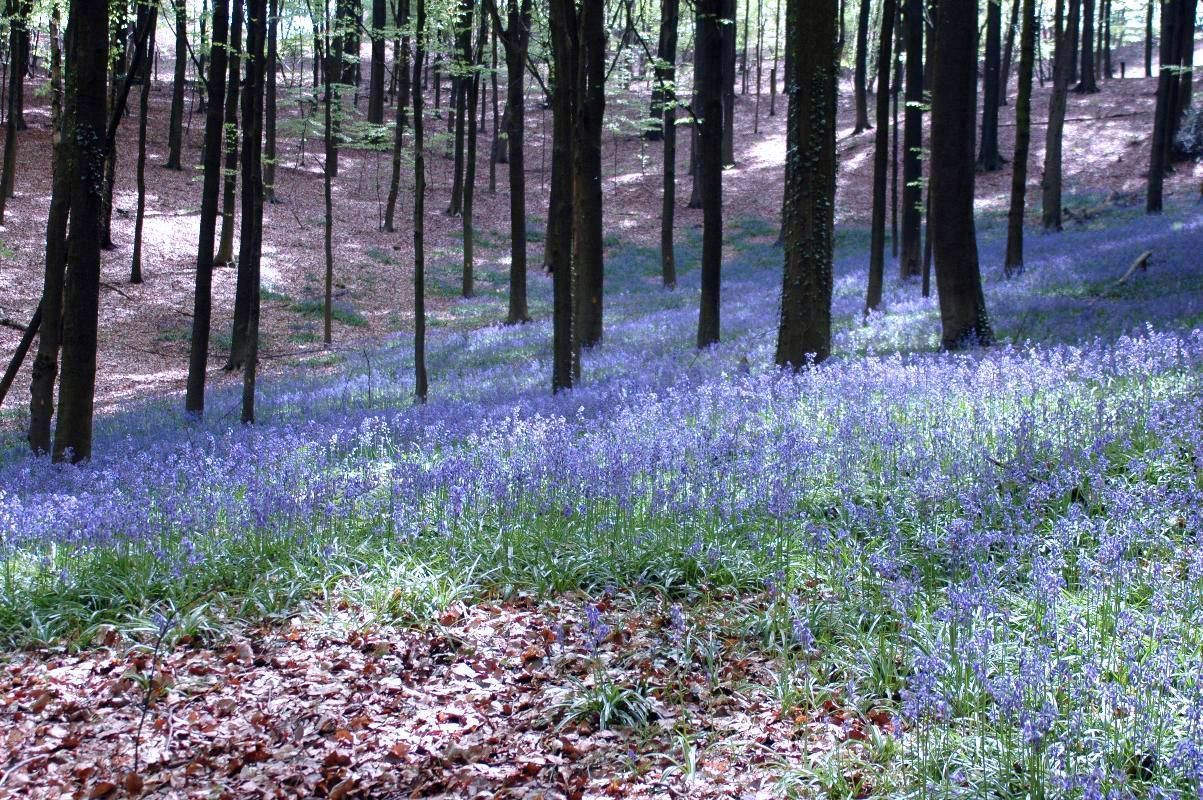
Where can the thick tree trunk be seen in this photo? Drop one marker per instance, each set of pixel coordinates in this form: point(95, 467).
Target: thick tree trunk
point(202, 305)
point(859, 77)
point(881, 156)
point(989, 158)
point(152, 12)
point(808, 229)
point(1177, 44)
point(394, 185)
point(85, 87)
point(909, 262)
point(1050, 184)
point(1023, 138)
point(587, 240)
point(710, 173)
point(420, 380)
point(963, 317)
point(1087, 84)
point(376, 71)
point(175, 127)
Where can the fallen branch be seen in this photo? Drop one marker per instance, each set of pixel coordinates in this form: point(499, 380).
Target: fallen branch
point(12, 323)
point(14, 366)
point(1141, 263)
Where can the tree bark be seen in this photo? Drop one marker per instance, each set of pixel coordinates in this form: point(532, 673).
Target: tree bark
point(1050, 184)
point(202, 303)
point(269, 103)
point(881, 156)
point(1023, 137)
point(85, 88)
point(669, 26)
point(225, 248)
point(564, 28)
point(251, 242)
point(859, 77)
point(175, 127)
point(989, 158)
point(1008, 52)
point(152, 13)
point(728, 32)
point(376, 70)
point(463, 41)
point(909, 262)
point(420, 380)
point(709, 79)
point(587, 237)
point(472, 87)
point(1087, 84)
point(963, 317)
point(394, 185)
point(516, 38)
point(808, 228)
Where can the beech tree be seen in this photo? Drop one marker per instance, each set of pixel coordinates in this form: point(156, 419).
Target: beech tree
point(860, 70)
point(1050, 184)
point(910, 255)
point(420, 380)
point(989, 158)
point(1023, 137)
point(202, 304)
point(1087, 83)
point(709, 80)
point(175, 126)
point(589, 98)
point(808, 218)
point(403, 92)
point(963, 316)
point(881, 155)
point(148, 16)
point(251, 241)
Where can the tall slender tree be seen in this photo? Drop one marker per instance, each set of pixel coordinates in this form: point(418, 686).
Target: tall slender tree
point(150, 12)
point(515, 37)
point(1050, 183)
point(269, 102)
point(229, 198)
point(881, 156)
point(421, 387)
point(728, 31)
point(989, 157)
point(402, 67)
point(963, 315)
point(709, 79)
point(1008, 52)
point(1087, 83)
point(670, 12)
point(587, 238)
point(860, 69)
point(376, 69)
point(472, 88)
point(251, 242)
point(87, 66)
point(1023, 138)
point(808, 219)
point(463, 61)
point(175, 126)
point(910, 257)
point(202, 304)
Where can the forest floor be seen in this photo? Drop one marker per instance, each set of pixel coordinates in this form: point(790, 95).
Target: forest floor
point(144, 329)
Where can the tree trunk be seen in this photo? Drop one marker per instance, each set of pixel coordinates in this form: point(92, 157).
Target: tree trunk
point(1107, 70)
point(464, 47)
point(859, 77)
point(394, 185)
point(669, 25)
point(728, 31)
point(1023, 138)
point(251, 243)
point(152, 12)
point(328, 218)
point(516, 38)
point(202, 303)
point(269, 109)
point(85, 89)
point(989, 158)
point(1177, 40)
point(808, 229)
point(909, 263)
point(587, 237)
point(1149, 38)
point(175, 128)
point(376, 71)
point(709, 80)
point(881, 155)
point(562, 21)
point(963, 316)
point(420, 381)
point(1087, 84)
point(225, 248)
point(16, 77)
point(1050, 184)
point(472, 87)
point(1008, 52)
